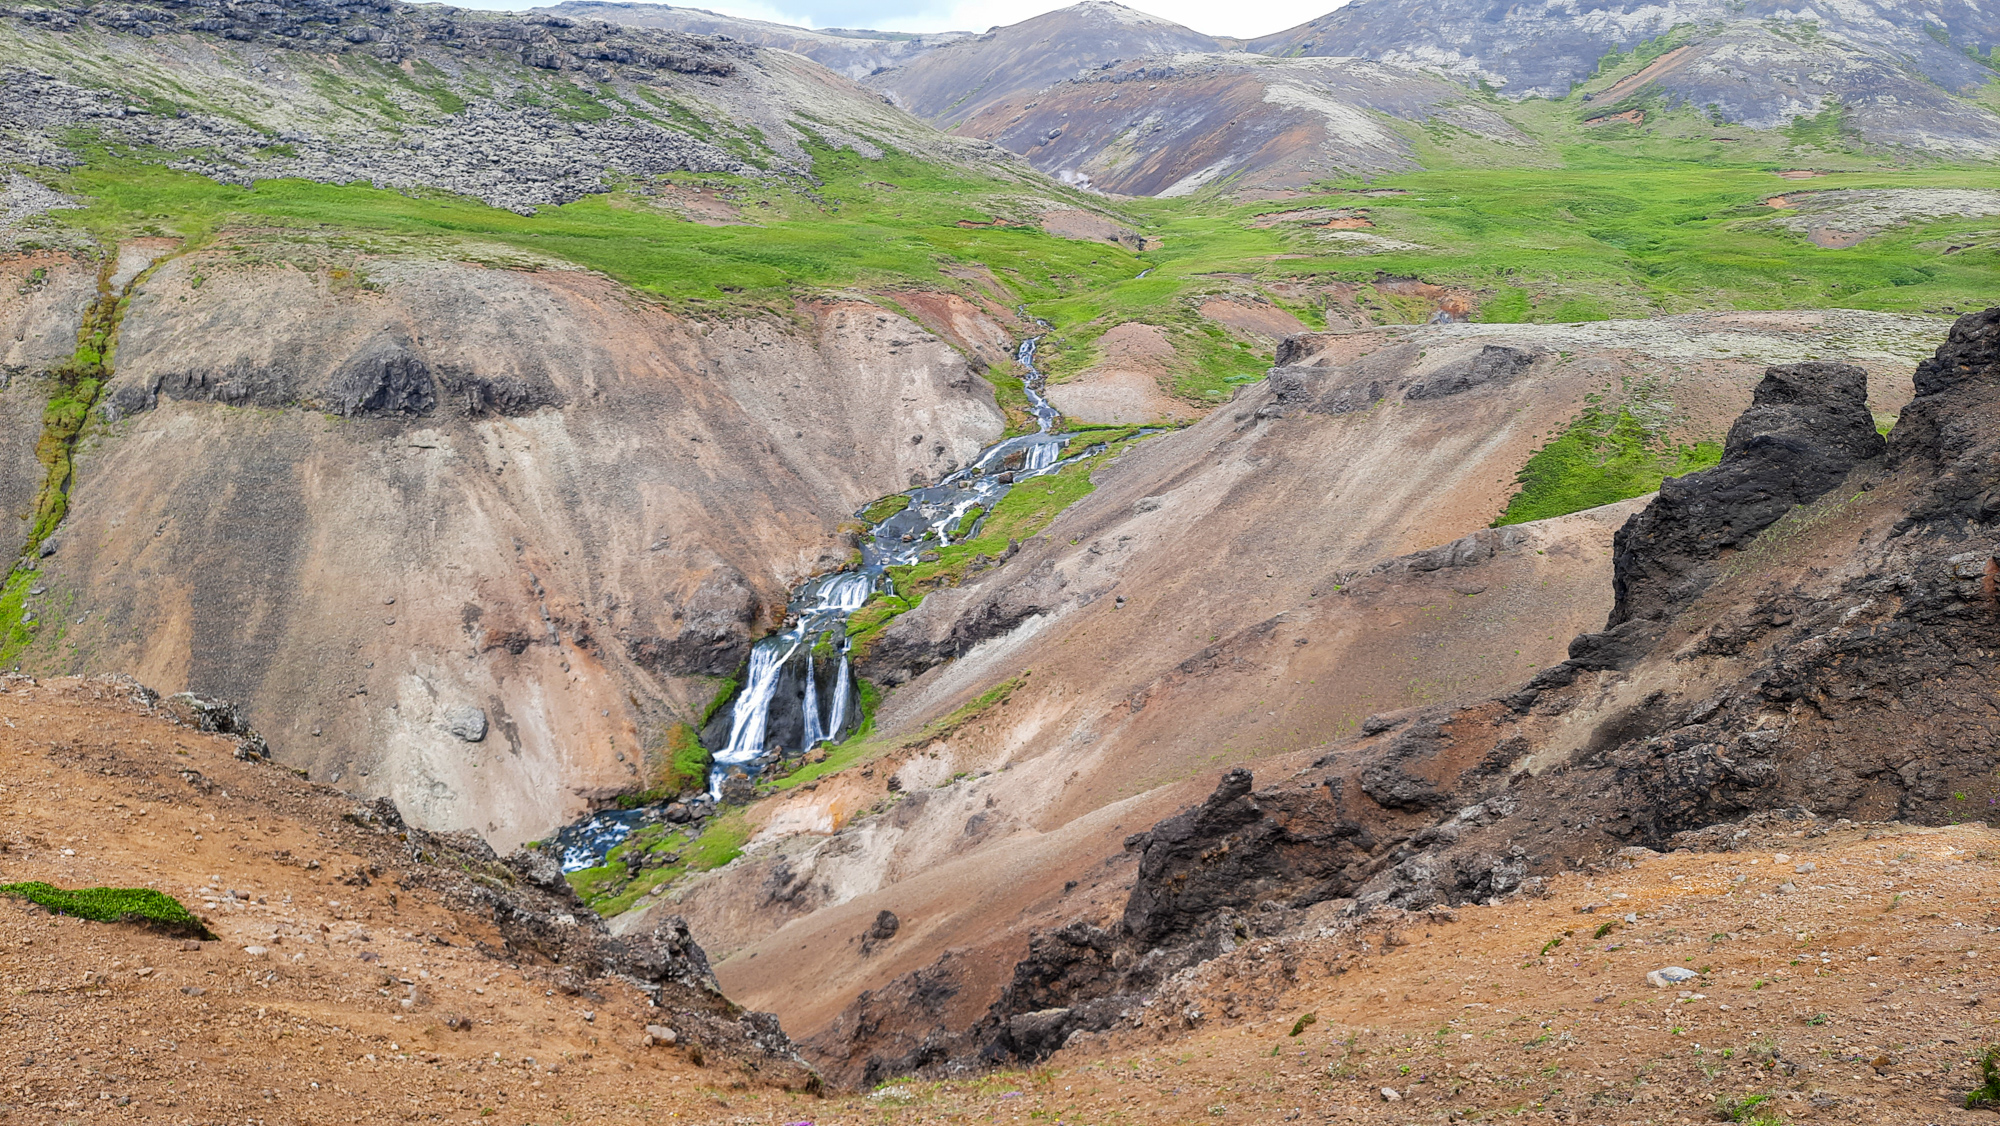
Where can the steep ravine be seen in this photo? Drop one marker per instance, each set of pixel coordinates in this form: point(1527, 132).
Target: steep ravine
point(358, 500)
point(1212, 603)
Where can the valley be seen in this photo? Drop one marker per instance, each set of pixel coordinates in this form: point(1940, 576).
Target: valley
point(859, 576)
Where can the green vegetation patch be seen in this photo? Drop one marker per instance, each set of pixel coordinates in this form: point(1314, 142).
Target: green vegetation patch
point(140, 906)
point(1987, 1094)
point(1601, 458)
point(886, 507)
point(640, 862)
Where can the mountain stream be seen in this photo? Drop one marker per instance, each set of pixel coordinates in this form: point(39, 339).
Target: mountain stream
point(782, 709)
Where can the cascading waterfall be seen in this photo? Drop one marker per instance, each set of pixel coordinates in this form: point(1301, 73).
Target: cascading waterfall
point(842, 685)
point(816, 617)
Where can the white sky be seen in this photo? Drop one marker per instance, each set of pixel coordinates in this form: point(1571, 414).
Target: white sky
point(1243, 20)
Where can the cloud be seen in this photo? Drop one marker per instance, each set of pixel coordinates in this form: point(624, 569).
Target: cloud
point(1243, 20)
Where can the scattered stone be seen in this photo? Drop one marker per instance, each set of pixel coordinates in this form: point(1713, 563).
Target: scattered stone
point(1806, 867)
point(1391, 1095)
point(660, 1034)
point(1670, 975)
point(256, 951)
point(467, 723)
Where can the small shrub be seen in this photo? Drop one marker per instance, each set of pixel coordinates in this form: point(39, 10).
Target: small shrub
point(1987, 1094)
point(1307, 1021)
point(1750, 1109)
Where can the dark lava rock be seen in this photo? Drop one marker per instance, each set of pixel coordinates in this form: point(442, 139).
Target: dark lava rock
point(1808, 426)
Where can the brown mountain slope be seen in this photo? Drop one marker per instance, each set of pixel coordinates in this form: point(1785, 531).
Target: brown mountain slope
point(1168, 126)
point(1457, 1012)
point(1130, 704)
point(954, 83)
point(1802, 631)
point(359, 971)
point(1894, 73)
point(466, 488)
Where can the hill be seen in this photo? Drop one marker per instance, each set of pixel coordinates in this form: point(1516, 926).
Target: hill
point(1902, 76)
point(856, 54)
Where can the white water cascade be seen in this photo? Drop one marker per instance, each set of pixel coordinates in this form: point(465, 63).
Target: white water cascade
point(817, 615)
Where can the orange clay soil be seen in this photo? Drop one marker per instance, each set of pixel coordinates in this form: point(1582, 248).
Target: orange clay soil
point(1860, 993)
point(326, 999)
point(1863, 994)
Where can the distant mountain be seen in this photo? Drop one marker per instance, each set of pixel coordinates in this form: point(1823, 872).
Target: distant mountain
point(1166, 128)
point(960, 81)
point(1892, 72)
point(856, 54)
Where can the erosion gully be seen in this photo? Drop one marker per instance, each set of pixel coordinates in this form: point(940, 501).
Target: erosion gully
point(788, 669)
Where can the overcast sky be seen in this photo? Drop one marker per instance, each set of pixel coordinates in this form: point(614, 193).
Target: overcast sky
point(1244, 20)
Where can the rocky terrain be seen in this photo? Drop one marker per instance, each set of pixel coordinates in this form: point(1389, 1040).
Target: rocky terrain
point(1802, 627)
point(517, 111)
point(1106, 95)
point(856, 54)
point(393, 503)
point(439, 406)
point(1896, 74)
point(1174, 125)
point(354, 966)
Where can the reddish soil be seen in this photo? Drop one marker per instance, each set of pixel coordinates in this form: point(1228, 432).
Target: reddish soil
point(338, 991)
point(1847, 976)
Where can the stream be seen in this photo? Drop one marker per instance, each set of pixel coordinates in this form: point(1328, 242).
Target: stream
point(798, 691)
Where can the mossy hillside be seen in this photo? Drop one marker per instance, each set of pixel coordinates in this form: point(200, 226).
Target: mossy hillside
point(74, 387)
point(1604, 456)
point(140, 906)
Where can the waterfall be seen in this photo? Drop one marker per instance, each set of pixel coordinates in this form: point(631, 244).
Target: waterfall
point(820, 607)
point(813, 735)
point(753, 703)
point(841, 688)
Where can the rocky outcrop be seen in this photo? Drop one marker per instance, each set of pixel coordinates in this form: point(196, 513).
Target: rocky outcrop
point(1808, 426)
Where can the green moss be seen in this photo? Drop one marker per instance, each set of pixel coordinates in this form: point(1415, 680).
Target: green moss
point(967, 521)
point(886, 507)
point(1601, 458)
point(142, 906)
point(1507, 307)
point(1827, 129)
point(725, 691)
point(687, 759)
point(721, 842)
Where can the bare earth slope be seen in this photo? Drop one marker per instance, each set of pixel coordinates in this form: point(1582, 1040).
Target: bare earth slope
point(357, 970)
point(1167, 126)
point(953, 84)
point(1802, 630)
point(411, 1002)
point(361, 510)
